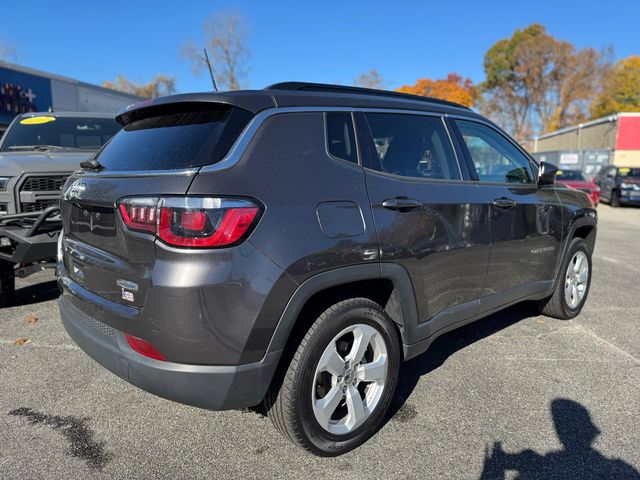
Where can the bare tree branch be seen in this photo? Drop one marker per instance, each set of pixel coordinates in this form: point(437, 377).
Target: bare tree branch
point(372, 79)
point(225, 39)
point(159, 86)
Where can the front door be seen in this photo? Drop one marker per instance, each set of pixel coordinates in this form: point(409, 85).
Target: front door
point(525, 219)
point(428, 218)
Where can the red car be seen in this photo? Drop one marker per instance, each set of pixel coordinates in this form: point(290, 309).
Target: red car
point(576, 179)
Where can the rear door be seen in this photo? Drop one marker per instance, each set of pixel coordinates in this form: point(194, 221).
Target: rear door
point(525, 220)
point(427, 217)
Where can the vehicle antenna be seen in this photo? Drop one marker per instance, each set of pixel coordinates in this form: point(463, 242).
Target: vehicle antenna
point(213, 80)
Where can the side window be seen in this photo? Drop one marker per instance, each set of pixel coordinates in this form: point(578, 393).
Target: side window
point(341, 140)
point(495, 158)
point(412, 146)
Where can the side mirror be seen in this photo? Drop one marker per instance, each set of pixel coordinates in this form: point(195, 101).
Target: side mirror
point(547, 174)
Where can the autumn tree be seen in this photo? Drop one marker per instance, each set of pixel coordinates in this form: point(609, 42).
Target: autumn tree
point(226, 43)
point(371, 79)
point(160, 85)
point(453, 88)
point(621, 91)
point(535, 82)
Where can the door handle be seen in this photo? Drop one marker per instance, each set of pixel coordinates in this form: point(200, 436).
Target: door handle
point(402, 204)
point(504, 202)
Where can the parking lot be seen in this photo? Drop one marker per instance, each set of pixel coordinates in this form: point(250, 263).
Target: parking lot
point(513, 393)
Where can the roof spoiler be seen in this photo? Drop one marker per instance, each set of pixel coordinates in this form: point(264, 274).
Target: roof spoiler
point(250, 100)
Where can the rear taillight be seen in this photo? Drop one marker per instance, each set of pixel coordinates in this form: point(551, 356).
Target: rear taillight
point(191, 221)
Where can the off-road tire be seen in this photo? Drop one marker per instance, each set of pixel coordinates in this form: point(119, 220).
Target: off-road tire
point(7, 284)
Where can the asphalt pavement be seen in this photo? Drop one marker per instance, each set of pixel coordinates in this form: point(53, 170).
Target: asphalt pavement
point(512, 394)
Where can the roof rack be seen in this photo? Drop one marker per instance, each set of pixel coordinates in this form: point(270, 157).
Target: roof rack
point(325, 87)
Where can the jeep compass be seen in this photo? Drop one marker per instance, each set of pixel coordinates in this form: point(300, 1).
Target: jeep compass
point(290, 247)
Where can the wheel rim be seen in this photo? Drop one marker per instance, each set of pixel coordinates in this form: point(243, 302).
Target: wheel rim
point(349, 379)
point(576, 279)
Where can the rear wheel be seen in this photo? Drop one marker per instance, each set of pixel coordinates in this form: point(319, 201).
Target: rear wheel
point(572, 287)
point(614, 200)
point(7, 284)
point(340, 381)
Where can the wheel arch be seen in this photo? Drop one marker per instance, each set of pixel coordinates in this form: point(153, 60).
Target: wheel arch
point(388, 285)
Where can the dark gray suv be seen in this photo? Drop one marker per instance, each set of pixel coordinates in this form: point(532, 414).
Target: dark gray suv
point(291, 246)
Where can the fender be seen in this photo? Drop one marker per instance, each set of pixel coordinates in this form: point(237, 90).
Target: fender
point(580, 218)
point(403, 288)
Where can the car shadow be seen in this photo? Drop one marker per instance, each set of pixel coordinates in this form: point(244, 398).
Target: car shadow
point(36, 293)
point(448, 344)
point(577, 458)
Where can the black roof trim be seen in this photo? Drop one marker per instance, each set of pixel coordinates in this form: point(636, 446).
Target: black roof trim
point(329, 88)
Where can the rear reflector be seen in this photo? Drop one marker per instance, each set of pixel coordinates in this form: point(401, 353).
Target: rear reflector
point(143, 347)
point(191, 221)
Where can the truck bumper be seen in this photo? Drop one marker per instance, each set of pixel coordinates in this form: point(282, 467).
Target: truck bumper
point(33, 236)
point(35, 248)
point(204, 386)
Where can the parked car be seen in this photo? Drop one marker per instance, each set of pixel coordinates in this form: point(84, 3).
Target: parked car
point(37, 154)
point(619, 185)
point(291, 246)
point(576, 179)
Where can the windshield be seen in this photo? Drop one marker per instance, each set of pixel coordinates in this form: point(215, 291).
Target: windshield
point(629, 172)
point(571, 175)
point(59, 132)
point(175, 140)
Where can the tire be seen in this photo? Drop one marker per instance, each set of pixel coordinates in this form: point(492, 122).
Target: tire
point(567, 302)
point(293, 401)
point(7, 284)
point(614, 199)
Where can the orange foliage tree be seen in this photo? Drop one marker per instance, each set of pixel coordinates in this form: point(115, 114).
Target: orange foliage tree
point(453, 88)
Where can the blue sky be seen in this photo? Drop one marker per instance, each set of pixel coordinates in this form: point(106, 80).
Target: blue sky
point(328, 41)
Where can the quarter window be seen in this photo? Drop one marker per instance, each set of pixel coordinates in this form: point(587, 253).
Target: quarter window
point(341, 140)
point(412, 146)
point(495, 158)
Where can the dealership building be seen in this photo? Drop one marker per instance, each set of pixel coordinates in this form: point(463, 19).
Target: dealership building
point(24, 90)
point(589, 146)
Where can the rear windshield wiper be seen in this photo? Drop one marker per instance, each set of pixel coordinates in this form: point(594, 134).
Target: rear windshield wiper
point(38, 147)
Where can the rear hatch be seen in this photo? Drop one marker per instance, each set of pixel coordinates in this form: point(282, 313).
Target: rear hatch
point(154, 157)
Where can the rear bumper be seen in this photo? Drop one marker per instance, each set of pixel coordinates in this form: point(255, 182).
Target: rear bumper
point(204, 386)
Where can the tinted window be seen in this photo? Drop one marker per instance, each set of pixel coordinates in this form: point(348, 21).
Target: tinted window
point(68, 132)
point(571, 175)
point(495, 158)
point(412, 146)
point(175, 141)
point(629, 172)
point(341, 141)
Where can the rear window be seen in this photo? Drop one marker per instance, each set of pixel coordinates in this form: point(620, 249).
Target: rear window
point(175, 140)
point(64, 132)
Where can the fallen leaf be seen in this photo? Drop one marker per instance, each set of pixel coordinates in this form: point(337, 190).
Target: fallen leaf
point(31, 319)
point(22, 341)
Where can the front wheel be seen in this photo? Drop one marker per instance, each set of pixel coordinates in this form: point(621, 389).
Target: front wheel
point(340, 381)
point(572, 287)
point(7, 284)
